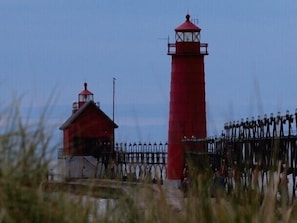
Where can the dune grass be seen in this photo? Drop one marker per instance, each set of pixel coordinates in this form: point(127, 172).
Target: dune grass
point(26, 150)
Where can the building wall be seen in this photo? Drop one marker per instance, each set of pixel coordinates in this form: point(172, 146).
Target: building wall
point(90, 129)
point(78, 167)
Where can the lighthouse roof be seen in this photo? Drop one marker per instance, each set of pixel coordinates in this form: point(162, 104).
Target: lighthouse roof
point(82, 109)
point(85, 91)
point(187, 26)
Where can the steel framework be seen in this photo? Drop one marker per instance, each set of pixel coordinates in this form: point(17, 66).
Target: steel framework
point(245, 146)
point(254, 144)
point(141, 161)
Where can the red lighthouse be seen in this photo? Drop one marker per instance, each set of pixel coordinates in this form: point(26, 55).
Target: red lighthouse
point(88, 130)
point(187, 115)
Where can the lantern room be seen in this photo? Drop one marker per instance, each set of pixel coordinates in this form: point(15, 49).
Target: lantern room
point(83, 97)
point(187, 40)
point(187, 32)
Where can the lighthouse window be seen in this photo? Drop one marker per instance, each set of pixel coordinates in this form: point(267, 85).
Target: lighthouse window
point(188, 36)
point(196, 36)
point(178, 36)
point(85, 98)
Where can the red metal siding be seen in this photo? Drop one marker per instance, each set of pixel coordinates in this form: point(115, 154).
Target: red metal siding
point(90, 124)
point(187, 116)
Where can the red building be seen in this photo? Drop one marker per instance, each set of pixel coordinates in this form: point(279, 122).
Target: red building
point(187, 115)
point(88, 131)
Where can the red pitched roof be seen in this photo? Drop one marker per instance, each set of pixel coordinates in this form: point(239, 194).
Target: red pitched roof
point(187, 26)
point(74, 116)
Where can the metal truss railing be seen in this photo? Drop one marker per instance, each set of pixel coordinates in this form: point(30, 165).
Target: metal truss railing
point(253, 145)
point(141, 161)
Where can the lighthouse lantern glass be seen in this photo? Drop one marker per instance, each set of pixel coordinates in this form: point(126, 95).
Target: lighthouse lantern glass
point(85, 98)
point(188, 37)
point(196, 37)
point(179, 36)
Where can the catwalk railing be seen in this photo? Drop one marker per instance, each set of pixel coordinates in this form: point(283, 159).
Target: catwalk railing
point(263, 141)
point(128, 161)
point(254, 147)
point(141, 161)
point(244, 149)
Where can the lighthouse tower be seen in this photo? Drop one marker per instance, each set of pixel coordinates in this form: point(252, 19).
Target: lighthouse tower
point(187, 115)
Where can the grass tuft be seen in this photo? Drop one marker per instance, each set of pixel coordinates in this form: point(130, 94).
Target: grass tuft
point(24, 163)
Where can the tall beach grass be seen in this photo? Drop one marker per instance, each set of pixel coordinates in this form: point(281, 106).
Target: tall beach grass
point(26, 151)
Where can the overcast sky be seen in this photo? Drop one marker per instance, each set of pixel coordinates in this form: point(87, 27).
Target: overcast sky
point(52, 47)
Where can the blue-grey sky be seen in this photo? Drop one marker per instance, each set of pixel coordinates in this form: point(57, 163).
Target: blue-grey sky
point(52, 47)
